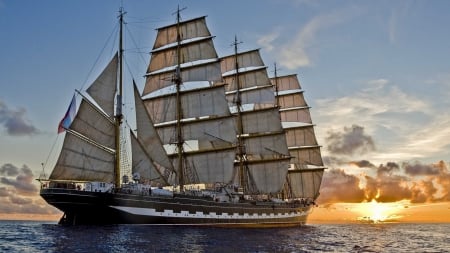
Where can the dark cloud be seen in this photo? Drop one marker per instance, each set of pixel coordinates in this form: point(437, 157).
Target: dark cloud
point(337, 186)
point(429, 183)
point(19, 194)
point(387, 169)
point(418, 169)
point(363, 164)
point(387, 188)
point(351, 141)
point(423, 192)
point(9, 170)
point(23, 182)
point(332, 161)
point(15, 121)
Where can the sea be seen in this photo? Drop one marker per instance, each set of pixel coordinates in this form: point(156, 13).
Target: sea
point(38, 236)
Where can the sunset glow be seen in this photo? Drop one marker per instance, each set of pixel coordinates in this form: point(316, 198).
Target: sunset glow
point(378, 212)
point(373, 212)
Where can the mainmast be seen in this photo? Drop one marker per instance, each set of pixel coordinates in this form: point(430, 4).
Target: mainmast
point(119, 116)
point(179, 112)
point(238, 101)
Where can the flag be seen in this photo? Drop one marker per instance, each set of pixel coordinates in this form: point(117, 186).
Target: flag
point(68, 117)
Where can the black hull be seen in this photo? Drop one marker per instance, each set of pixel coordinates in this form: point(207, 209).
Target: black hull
point(84, 207)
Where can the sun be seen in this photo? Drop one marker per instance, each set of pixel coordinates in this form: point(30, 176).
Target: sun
point(378, 212)
point(375, 212)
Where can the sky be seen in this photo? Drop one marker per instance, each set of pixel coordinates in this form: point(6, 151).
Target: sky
point(375, 73)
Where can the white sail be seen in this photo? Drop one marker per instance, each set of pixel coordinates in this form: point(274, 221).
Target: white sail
point(261, 121)
point(142, 164)
point(198, 58)
point(260, 97)
point(84, 161)
point(266, 147)
point(264, 154)
point(288, 82)
point(193, 28)
point(103, 89)
point(293, 99)
point(269, 176)
point(306, 171)
point(306, 155)
point(297, 114)
point(190, 52)
point(197, 71)
point(208, 167)
point(203, 128)
point(210, 133)
point(147, 134)
point(195, 103)
point(307, 182)
point(88, 150)
point(247, 79)
point(244, 59)
point(301, 136)
point(93, 124)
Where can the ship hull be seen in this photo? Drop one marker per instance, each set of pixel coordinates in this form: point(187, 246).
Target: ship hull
point(84, 207)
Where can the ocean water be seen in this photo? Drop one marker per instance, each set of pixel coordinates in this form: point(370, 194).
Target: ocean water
point(31, 236)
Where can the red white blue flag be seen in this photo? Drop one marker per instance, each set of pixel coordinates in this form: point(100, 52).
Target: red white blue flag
point(68, 117)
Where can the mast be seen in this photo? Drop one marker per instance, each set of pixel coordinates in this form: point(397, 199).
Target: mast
point(276, 84)
point(188, 104)
point(119, 116)
point(178, 82)
point(238, 101)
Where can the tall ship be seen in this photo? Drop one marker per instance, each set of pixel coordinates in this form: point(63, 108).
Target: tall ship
point(216, 141)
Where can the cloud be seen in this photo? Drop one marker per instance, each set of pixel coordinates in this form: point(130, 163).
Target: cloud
point(397, 14)
point(9, 170)
point(267, 40)
point(15, 121)
point(362, 164)
point(387, 169)
point(18, 193)
point(337, 186)
point(387, 188)
point(352, 140)
point(401, 123)
point(389, 183)
point(421, 169)
point(22, 183)
point(293, 53)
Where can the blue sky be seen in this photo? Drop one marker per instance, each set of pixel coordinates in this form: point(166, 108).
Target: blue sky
point(376, 73)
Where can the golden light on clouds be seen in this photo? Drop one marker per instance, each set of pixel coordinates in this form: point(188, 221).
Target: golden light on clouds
point(374, 212)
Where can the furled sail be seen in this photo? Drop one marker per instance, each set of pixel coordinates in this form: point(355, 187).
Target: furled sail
point(306, 171)
point(248, 87)
point(184, 55)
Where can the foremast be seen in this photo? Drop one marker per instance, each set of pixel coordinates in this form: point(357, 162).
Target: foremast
point(179, 113)
point(119, 116)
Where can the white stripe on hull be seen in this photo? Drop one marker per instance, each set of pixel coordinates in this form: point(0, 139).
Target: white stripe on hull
point(200, 215)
